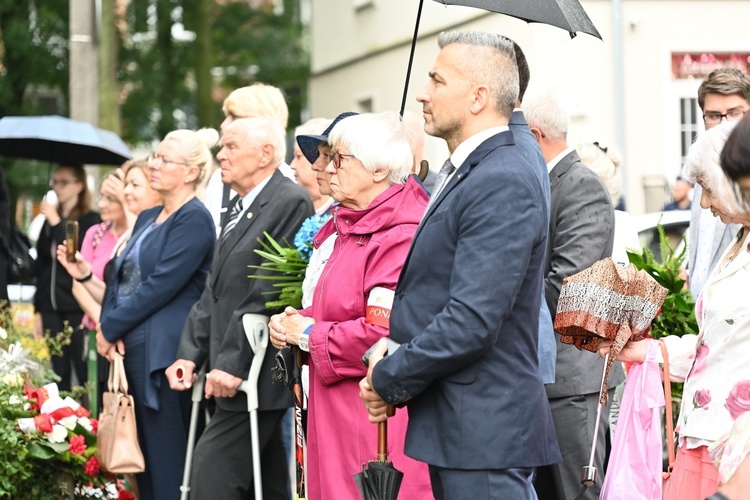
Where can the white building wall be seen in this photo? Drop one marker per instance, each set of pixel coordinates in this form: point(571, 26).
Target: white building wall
point(359, 59)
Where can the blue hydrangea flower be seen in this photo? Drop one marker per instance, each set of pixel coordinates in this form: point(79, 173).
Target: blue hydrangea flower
point(304, 237)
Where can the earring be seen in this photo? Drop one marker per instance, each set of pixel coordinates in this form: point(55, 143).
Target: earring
point(186, 181)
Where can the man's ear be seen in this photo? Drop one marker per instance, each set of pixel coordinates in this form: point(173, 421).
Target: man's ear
point(267, 152)
point(481, 98)
point(538, 135)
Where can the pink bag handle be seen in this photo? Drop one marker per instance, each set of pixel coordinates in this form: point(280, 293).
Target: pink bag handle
point(668, 406)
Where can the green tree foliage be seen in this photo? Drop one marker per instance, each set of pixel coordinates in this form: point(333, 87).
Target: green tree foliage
point(33, 59)
point(33, 53)
point(158, 73)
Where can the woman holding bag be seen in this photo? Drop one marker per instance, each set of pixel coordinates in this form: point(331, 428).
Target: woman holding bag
point(155, 281)
point(716, 394)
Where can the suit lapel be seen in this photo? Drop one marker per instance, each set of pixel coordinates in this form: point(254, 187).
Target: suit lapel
point(133, 238)
point(479, 154)
point(562, 168)
point(247, 219)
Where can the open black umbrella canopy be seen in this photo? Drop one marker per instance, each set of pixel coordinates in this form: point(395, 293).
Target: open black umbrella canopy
point(60, 140)
point(565, 14)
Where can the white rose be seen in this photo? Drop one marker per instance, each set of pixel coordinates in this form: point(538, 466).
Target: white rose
point(3, 334)
point(14, 400)
point(86, 423)
point(58, 434)
point(26, 406)
point(68, 422)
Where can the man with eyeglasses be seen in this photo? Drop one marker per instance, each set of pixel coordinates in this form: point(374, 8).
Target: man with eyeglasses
point(723, 95)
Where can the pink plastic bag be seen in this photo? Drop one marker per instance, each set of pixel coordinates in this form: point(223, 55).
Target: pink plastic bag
point(635, 464)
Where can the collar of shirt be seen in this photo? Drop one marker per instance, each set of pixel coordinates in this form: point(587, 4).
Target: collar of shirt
point(249, 198)
point(469, 145)
point(565, 152)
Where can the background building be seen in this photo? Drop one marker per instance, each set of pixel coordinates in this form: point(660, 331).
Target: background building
point(636, 90)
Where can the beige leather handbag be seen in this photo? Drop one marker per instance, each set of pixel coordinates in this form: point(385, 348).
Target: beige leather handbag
point(118, 450)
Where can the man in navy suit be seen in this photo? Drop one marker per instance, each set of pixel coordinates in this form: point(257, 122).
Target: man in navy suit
point(466, 308)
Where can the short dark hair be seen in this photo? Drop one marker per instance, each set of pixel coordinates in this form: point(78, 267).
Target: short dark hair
point(735, 157)
point(725, 81)
point(524, 74)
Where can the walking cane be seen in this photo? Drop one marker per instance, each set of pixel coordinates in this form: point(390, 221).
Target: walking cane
point(196, 398)
point(256, 331)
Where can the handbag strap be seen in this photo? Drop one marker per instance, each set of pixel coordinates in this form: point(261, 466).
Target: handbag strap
point(668, 405)
point(117, 381)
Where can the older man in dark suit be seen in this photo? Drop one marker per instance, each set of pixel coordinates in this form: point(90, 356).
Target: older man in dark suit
point(252, 150)
point(466, 308)
point(581, 232)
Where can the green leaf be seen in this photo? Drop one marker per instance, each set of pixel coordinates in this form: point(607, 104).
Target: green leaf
point(729, 321)
point(43, 452)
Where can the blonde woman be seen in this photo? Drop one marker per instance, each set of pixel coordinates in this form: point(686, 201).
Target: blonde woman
point(155, 281)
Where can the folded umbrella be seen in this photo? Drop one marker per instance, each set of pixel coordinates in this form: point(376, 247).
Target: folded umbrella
point(379, 479)
point(609, 300)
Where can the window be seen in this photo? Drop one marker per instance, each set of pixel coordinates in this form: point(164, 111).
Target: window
point(689, 124)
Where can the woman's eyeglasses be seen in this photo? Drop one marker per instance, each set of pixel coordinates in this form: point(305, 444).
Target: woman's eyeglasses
point(159, 160)
point(339, 157)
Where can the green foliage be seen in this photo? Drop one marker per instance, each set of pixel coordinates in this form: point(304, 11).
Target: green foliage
point(678, 311)
point(286, 268)
point(248, 45)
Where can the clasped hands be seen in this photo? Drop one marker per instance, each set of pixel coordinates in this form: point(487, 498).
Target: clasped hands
point(285, 328)
point(105, 348)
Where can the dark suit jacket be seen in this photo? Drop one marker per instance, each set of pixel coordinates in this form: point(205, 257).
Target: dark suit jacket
point(174, 262)
point(466, 309)
point(581, 232)
point(214, 328)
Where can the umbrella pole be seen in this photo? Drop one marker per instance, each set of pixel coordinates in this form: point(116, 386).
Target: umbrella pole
point(588, 474)
point(411, 58)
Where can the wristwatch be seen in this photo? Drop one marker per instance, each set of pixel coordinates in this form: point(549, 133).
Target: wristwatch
point(303, 339)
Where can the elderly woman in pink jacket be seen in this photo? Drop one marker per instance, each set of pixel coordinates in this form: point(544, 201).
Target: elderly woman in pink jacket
point(379, 210)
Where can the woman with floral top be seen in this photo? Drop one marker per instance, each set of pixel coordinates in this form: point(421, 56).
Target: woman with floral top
point(716, 394)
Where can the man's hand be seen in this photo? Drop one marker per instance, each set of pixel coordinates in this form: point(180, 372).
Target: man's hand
point(181, 375)
point(376, 407)
point(221, 384)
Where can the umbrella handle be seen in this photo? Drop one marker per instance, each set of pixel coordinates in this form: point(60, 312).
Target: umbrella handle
point(383, 435)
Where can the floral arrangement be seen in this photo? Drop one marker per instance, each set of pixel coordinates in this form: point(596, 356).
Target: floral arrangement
point(286, 265)
point(47, 440)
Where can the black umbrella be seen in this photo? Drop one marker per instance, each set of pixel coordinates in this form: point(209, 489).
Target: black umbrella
point(379, 479)
point(60, 140)
point(565, 14)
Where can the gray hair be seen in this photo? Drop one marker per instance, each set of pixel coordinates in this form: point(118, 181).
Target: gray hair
point(261, 130)
point(704, 167)
point(195, 147)
point(492, 62)
point(379, 141)
point(314, 126)
point(605, 162)
point(544, 110)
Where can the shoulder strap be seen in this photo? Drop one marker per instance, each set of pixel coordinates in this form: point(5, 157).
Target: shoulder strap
point(668, 405)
